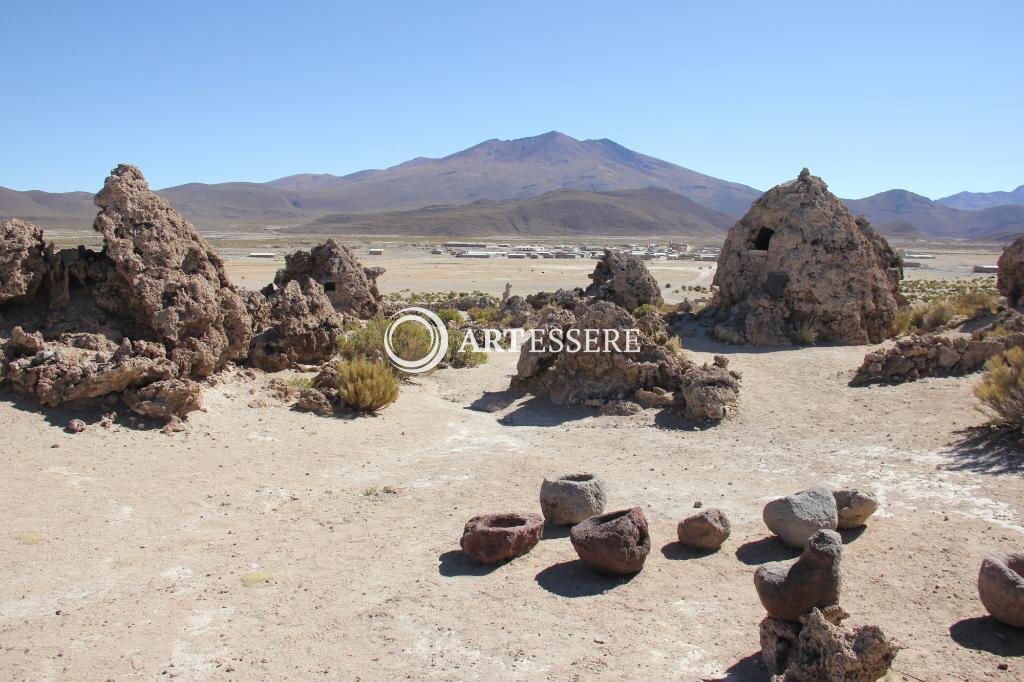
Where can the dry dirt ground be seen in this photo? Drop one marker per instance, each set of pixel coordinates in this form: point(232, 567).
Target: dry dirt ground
point(266, 543)
point(263, 543)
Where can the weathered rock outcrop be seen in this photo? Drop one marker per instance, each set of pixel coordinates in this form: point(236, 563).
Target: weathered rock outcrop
point(623, 280)
point(303, 327)
point(932, 355)
point(23, 262)
point(1010, 280)
point(819, 647)
point(616, 374)
point(799, 266)
point(166, 277)
point(350, 287)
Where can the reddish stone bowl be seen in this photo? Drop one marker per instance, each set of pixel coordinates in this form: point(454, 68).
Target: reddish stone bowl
point(491, 538)
point(616, 543)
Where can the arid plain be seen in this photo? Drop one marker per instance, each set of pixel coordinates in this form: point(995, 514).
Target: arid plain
point(264, 542)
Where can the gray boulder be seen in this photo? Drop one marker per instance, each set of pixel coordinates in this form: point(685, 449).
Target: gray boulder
point(705, 530)
point(795, 518)
point(1001, 587)
point(788, 590)
point(854, 507)
point(567, 500)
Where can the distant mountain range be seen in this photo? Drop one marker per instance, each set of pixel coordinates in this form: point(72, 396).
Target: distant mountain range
point(525, 187)
point(568, 212)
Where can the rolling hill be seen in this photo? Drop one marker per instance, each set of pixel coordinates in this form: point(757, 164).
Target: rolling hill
point(568, 212)
point(976, 201)
point(903, 211)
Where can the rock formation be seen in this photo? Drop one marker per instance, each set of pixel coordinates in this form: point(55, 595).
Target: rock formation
point(350, 287)
point(789, 590)
point(819, 647)
point(491, 538)
point(567, 500)
point(854, 507)
point(616, 543)
point(23, 262)
point(302, 327)
point(1001, 587)
point(798, 266)
point(701, 393)
point(707, 529)
point(933, 355)
point(167, 279)
point(1010, 280)
point(623, 280)
point(795, 518)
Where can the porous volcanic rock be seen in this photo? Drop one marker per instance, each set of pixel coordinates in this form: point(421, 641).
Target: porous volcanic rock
point(350, 287)
point(616, 543)
point(707, 529)
point(573, 378)
point(624, 280)
point(1010, 279)
point(314, 400)
point(795, 518)
point(567, 500)
point(1001, 587)
point(303, 327)
point(819, 647)
point(799, 260)
point(854, 507)
point(23, 261)
point(75, 426)
point(491, 538)
point(165, 399)
point(167, 278)
point(790, 589)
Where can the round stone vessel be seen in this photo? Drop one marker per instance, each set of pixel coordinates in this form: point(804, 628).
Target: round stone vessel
point(1001, 587)
point(567, 500)
point(491, 538)
point(616, 543)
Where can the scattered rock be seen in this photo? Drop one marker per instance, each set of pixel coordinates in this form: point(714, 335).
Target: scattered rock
point(788, 590)
point(705, 530)
point(854, 507)
point(797, 517)
point(313, 400)
point(491, 538)
point(799, 265)
point(75, 426)
point(1001, 587)
point(624, 280)
point(819, 647)
point(569, 499)
point(658, 397)
point(620, 408)
point(616, 543)
point(165, 399)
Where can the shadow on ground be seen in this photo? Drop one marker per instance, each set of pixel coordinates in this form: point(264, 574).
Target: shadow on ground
point(456, 563)
point(677, 551)
point(573, 579)
point(555, 532)
point(988, 634)
point(542, 412)
point(988, 450)
point(767, 549)
point(749, 669)
point(91, 414)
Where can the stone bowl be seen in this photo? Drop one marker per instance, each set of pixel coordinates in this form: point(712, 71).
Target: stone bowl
point(1001, 587)
point(567, 500)
point(616, 543)
point(491, 538)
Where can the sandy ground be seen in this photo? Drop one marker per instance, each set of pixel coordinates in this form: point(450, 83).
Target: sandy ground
point(261, 543)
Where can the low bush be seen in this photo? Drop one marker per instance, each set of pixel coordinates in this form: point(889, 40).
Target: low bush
point(487, 315)
point(462, 358)
point(806, 331)
point(1001, 390)
point(410, 341)
point(366, 386)
point(449, 316)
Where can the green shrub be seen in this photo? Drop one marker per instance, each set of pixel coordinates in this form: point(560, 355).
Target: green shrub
point(674, 345)
point(1001, 390)
point(937, 314)
point(449, 315)
point(366, 386)
point(645, 308)
point(410, 341)
point(462, 358)
point(487, 315)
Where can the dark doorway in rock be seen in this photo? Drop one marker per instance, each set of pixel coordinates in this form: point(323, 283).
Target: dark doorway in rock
point(763, 238)
point(330, 286)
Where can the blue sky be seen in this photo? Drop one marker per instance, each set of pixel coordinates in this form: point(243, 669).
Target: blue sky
point(924, 96)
